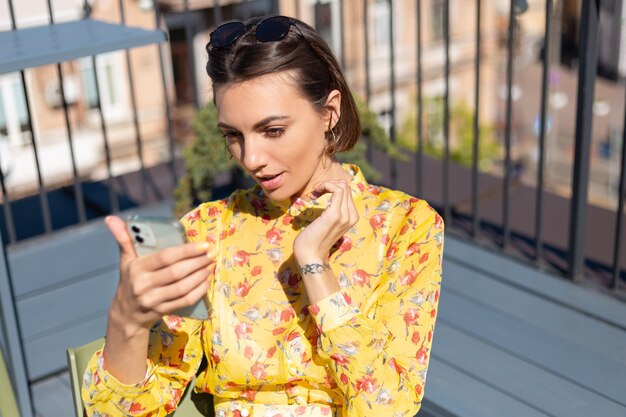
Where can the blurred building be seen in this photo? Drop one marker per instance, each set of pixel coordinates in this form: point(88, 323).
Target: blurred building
point(118, 97)
point(131, 86)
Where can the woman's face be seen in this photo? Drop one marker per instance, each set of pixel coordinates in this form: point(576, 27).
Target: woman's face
point(275, 133)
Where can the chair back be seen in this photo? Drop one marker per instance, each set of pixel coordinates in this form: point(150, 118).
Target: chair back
point(8, 402)
point(190, 405)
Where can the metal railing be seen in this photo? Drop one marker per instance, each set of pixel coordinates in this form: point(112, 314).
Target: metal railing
point(531, 244)
point(575, 250)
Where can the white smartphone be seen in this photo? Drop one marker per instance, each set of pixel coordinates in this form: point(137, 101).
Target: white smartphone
point(154, 233)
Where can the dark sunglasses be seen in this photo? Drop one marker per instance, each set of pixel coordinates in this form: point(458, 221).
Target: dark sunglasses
point(270, 29)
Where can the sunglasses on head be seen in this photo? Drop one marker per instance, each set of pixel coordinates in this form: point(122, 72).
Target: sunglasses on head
point(270, 29)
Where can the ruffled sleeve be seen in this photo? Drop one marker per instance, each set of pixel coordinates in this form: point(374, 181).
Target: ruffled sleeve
point(175, 354)
point(379, 356)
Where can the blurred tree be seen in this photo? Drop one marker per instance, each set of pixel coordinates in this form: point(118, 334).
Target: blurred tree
point(461, 134)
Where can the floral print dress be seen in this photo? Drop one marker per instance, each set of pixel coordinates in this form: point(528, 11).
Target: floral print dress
point(362, 351)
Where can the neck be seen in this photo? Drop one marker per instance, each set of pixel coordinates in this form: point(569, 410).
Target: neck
point(329, 170)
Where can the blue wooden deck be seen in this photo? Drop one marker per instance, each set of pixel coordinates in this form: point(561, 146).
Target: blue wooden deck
point(510, 341)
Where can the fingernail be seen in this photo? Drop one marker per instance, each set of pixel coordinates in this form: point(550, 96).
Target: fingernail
point(202, 247)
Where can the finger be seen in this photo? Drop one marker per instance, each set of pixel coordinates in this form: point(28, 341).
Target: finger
point(337, 198)
point(170, 273)
point(194, 289)
point(153, 297)
point(354, 213)
point(117, 227)
point(169, 256)
point(345, 197)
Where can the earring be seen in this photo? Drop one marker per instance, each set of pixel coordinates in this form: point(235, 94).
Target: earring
point(331, 143)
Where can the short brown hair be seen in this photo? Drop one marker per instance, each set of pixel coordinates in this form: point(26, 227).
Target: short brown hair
point(315, 69)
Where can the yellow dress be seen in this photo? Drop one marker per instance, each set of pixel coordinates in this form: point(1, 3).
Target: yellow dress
point(360, 352)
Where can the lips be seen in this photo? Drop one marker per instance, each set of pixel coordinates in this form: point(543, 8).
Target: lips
point(270, 182)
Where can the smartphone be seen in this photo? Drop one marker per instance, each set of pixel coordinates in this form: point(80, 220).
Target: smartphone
point(153, 233)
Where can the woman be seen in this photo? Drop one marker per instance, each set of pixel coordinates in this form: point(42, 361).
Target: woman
point(323, 289)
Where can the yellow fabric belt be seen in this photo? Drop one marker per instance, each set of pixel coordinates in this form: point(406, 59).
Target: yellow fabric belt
point(282, 395)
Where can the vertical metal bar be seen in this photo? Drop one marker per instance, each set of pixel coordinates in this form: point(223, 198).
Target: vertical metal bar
point(476, 154)
point(342, 41)
point(246, 14)
point(506, 232)
point(191, 55)
point(43, 196)
point(133, 100)
point(446, 115)
point(419, 163)
point(6, 208)
point(620, 210)
point(217, 12)
point(107, 151)
point(542, 132)
point(13, 338)
point(8, 312)
point(392, 87)
point(166, 100)
point(78, 189)
point(366, 52)
point(584, 121)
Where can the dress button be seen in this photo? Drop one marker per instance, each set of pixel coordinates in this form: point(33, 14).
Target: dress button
point(293, 370)
point(300, 400)
point(244, 413)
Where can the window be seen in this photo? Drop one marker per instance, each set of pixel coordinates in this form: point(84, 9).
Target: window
point(327, 23)
point(111, 80)
point(13, 111)
point(381, 29)
point(437, 12)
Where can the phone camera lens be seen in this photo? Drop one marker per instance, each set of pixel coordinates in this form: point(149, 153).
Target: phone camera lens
point(139, 239)
point(135, 229)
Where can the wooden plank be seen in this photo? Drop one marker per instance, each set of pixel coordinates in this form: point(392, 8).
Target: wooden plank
point(453, 389)
point(53, 396)
point(46, 355)
point(561, 357)
point(47, 312)
point(49, 44)
point(69, 254)
point(594, 335)
point(62, 257)
point(520, 378)
point(559, 291)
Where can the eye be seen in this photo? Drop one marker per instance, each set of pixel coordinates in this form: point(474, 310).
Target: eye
point(231, 135)
point(274, 132)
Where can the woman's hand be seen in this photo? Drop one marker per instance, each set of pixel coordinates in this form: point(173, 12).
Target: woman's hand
point(316, 240)
point(157, 284)
point(149, 287)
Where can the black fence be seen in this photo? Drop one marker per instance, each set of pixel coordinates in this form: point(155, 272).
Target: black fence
point(481, 205)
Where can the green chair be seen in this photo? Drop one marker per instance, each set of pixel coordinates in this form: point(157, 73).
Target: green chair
point(191, 404)
point(8, 403)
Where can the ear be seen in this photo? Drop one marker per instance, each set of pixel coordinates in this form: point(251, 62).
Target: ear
point(332, 109)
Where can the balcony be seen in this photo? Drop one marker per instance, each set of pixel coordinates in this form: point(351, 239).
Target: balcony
point(532, 317)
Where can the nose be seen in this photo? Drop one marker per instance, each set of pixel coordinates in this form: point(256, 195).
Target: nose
point(254, 156)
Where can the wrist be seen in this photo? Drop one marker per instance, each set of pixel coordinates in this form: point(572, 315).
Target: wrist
point(123, 327)
point(309, 255)
point(316, 267)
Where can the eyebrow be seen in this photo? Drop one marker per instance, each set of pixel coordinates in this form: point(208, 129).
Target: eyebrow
point(258, 124)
